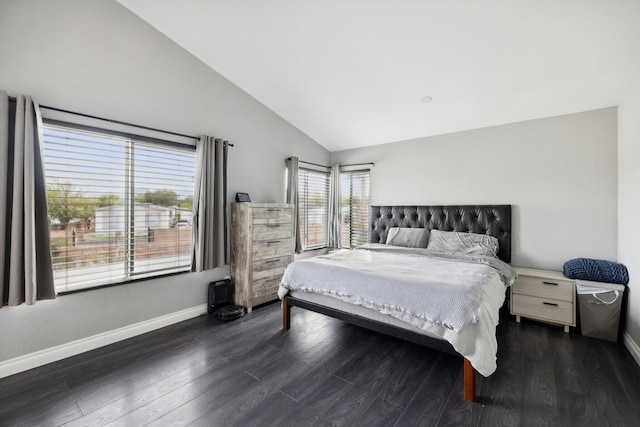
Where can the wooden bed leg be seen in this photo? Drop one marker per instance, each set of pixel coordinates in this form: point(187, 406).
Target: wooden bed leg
point(469, 382)
point(286, 315)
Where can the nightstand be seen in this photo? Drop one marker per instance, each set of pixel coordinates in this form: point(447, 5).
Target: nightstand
point(544, 295)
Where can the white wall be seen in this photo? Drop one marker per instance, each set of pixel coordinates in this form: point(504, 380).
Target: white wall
point(558, 173)
point(629, 200)
point(98, 58)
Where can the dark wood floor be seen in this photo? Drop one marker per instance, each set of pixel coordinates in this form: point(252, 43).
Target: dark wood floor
point(248, 372)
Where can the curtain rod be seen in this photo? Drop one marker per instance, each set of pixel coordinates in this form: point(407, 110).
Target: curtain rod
point(118, 122)
point(360, 164)
point(328, 167)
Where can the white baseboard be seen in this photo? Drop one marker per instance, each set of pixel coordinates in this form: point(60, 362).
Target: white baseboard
point(53, 354)
point(632, 346)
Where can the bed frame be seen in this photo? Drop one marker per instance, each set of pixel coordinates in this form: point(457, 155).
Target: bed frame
point(494, 220)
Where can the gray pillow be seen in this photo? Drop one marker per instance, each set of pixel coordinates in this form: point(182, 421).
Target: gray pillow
point(462, 243)
point(408, 237)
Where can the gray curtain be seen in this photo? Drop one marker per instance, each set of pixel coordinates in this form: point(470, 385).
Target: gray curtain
point(209, 225)
point(25, 255)
point(292, 197)
point(335, 211)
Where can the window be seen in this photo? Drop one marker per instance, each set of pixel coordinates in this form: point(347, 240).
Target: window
point(313, 199)
point(120, 207)
point(355, 207)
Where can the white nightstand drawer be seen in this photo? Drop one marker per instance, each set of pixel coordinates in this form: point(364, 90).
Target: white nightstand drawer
point(543, 308)
point(545, 288)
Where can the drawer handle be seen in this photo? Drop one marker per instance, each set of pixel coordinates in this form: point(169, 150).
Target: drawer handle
point(273, 210)
point(550, 303)
point(268, 242)
point(274, 225)
point(550, 283)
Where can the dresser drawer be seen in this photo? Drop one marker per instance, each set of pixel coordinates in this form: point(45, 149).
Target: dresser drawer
point(271, 215)
point(271, 231)
point(266, 287)
point(266, 296)
point(545, 288)
point(543, 308)
point(271, 249)
point(270, 264)
point(266, 274)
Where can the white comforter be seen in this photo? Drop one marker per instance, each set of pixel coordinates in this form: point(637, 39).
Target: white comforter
point(455, 298)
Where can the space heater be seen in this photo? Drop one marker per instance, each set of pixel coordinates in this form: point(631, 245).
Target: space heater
point(220, 301)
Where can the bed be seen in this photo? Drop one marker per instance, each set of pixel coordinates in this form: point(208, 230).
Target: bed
point(377, 286)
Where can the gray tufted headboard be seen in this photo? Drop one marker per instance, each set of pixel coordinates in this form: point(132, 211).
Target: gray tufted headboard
point(494, 220)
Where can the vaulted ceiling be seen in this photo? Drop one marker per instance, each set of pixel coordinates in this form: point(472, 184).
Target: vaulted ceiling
point(352, 73)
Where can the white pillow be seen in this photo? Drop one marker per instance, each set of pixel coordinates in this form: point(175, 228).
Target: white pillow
point(462, 243)
point(408, 237)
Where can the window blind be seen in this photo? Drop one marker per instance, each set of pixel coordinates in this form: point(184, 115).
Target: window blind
point(355, 187)
point(313, 196)
point(119, 208)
